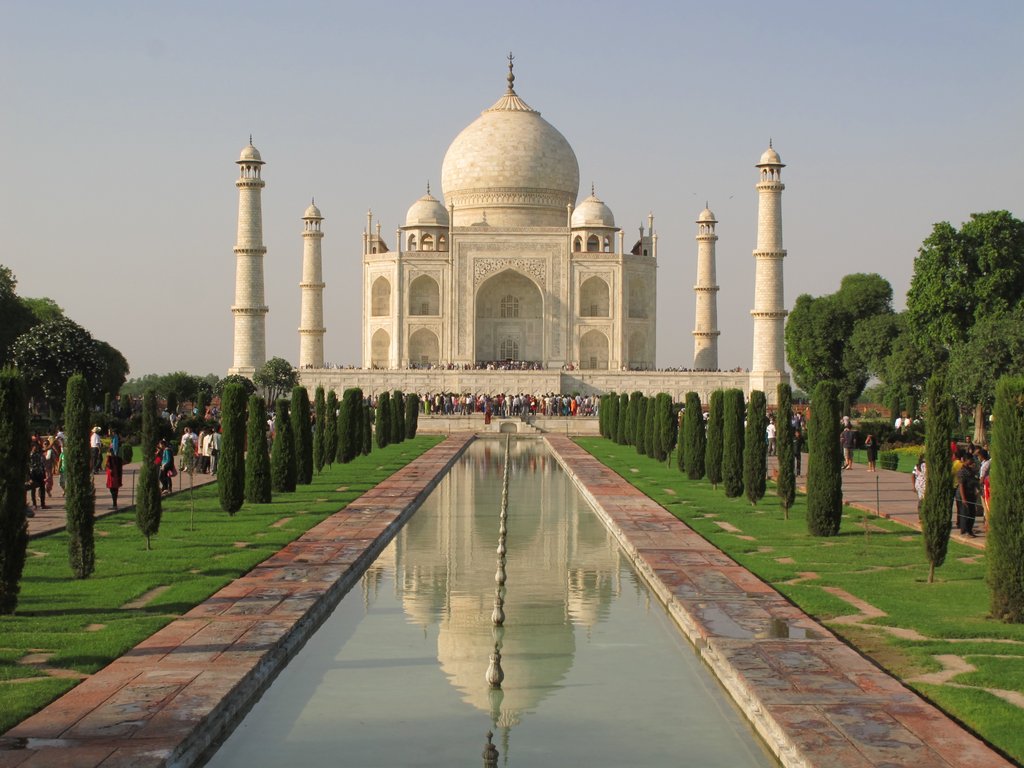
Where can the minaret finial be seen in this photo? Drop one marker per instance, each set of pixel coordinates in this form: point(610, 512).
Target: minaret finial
point(511, 77)
point(250, 139)
point(706, 204)
point(770, 143)
point(591, 189)
point(312, 200)
point(428, 187)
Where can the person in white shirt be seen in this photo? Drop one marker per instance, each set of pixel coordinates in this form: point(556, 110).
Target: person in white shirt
point(96, 450)
point(770, 434)
point(214, 443)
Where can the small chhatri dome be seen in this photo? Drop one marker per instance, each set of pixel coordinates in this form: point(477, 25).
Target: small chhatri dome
point(592, 212)
point(428, 211)
point(770, 156)
point(707, 216)
point(312, 212)
point(250, 154)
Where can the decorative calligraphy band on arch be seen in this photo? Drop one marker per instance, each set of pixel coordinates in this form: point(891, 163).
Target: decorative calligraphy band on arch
point(533, 268)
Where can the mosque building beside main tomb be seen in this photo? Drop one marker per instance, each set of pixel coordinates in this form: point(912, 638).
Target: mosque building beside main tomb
point(506, 284)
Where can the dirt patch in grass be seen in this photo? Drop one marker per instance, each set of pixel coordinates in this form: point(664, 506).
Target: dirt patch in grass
point(146, 598)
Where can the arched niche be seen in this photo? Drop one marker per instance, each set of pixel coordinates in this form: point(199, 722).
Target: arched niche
point(380, 349)
point(509, 316)
point(424, 348)
point(594, 301)
point(380, 298)
point(424, 296)
point(637, 350)
point(594, 351)
point(639, 298)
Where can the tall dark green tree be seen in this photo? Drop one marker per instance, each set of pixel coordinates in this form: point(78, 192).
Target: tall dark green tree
point(1004, 549)
point(397, 417)
point(694, 442)
point(651, 429)
point(14, 437)
point(283, 467)
point(231, 466)
point(383, 424)
point(936, 522)
point(631, 417)
point(640, 424)
point(302, 428)
point(785, 485)
point(824, 473)
point(732, 442)
point(319, 429)
point(665, 419)
point(331, 429)
point(412, 414)
point(366, 424)
point(79, 495)
point(350, 425)
point(148, 506)
point(713, 455)
point(755, 448)
point(257, 458)
point(621, 414)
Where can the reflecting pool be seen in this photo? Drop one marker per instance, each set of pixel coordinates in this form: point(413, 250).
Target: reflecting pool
point(595, 673)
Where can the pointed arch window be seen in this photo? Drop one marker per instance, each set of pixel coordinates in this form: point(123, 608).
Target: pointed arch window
point(509, 306)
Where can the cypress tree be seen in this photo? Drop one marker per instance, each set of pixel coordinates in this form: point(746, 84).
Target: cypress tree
point(631, 418)
point(283, 470)
point(936, 522)
point(412, 414)
point(785, 485)
point(331, 429)
point(639, 423)
point(257, 460)
point(621, 414)
point(664, 420)
point(713, 455)
point(319, 429)
point(694, 437)
point(732, 442)
point(610, 411)
point(602, 415)
point(383, 425)
point(651, 429)
point(350, 425)
point(824, 463)
point(755, 448)
point(231, 468)
point(1005, 545)
point(79, 494)
point(302, 430)
point(357, 427)
point(148, 504)
point(397, 417)
point(366, 424)
point(14, 436)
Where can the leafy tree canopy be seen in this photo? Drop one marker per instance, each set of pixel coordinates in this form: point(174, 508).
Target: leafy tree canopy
point(276, 378)
point(15, 316)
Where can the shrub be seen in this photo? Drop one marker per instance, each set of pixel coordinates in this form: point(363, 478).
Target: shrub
point(257, 459)
point(732, 442)
point(148, 506)
point(755, 449)
point(713, 454)
point(824, 473)
point(889, 460)
point(302, 429)
point(283, 471)
point(1005, 546)
point(785, 484)
point(14, 436)
point(231, 464)
point(936, 523)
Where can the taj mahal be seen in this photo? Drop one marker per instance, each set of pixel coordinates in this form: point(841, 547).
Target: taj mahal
point(509, 283)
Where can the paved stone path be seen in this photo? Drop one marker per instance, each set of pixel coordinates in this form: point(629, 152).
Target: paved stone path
point(887, 493)
point(54, 517)
point(814, 700)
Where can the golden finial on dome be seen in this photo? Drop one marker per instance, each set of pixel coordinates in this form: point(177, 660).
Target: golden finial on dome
point(511, 77)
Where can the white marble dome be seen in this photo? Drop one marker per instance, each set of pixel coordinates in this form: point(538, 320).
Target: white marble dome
point(312, 212)
point(770, 157)
point(511, 166)
point(428, 211)
point(707, 215)
point(250, 154)
point(592, 212)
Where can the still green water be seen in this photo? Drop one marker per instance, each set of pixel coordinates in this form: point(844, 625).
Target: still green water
point(596, 674)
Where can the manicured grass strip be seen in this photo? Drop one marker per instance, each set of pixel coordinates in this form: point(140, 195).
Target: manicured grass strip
point(885, 567)
point(84, 625)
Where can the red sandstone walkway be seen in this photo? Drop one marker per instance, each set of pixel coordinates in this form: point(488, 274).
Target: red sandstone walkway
point(165, 701)
point(886, 493)
point(54, 517)
point(815, 701)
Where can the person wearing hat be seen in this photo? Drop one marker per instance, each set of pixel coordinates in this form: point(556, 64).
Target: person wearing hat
point(96, 450)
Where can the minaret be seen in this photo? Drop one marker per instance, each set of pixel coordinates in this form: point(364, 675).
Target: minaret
point(705, 329)
point(249, 309)
point(769, 311)
point(311, 317)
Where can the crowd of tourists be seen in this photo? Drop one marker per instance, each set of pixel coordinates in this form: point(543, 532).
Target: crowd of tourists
point(972, 489)
point(47, 466)
point(508, 405)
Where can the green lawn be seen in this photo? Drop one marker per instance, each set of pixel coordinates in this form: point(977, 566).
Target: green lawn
point(885, 567)
point(82, 625)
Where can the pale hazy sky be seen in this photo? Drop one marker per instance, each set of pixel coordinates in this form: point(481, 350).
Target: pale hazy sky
point(122, 122)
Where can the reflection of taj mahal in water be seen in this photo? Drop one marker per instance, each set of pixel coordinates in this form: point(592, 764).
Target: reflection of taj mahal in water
point(508, 267)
